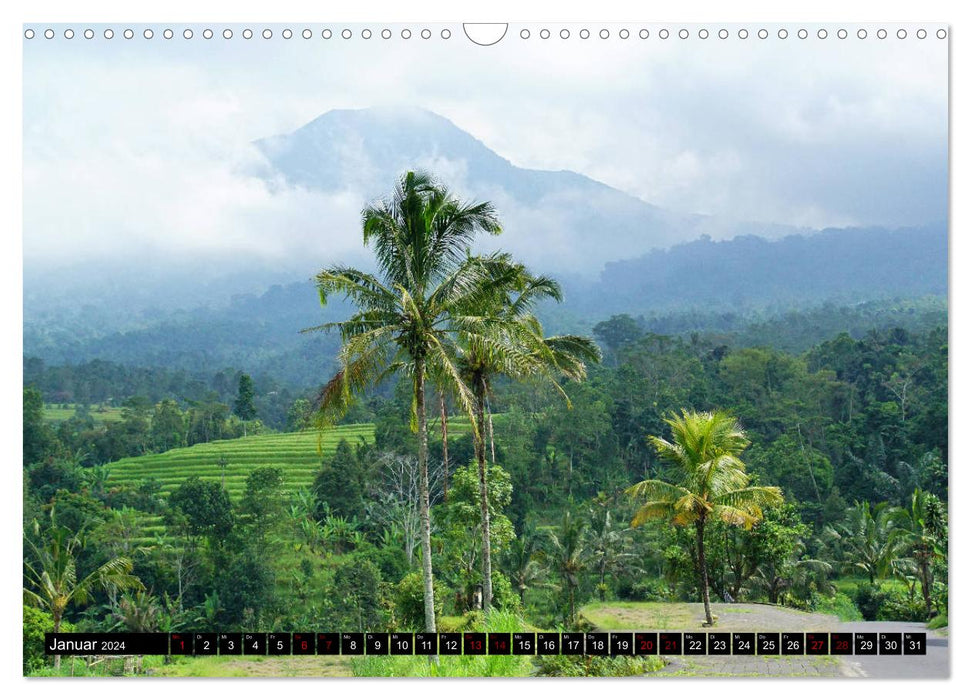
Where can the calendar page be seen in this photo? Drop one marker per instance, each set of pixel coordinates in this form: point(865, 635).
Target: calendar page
point(465, 350)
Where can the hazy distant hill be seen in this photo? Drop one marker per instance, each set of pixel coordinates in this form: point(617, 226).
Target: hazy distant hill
point(848, 265)
point(613, 253)
point(563, 220)
point(260, 332)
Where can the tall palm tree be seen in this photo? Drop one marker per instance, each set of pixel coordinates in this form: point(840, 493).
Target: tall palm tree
point(51, 575)
point(704, 451)
point(516, 348)
point(426, 290)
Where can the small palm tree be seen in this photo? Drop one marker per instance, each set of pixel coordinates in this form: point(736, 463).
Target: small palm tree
point(567, 555)
point(924, 535)
point(427, 290)
point(522, 563)
point(607, 546)
point(872, 539)
point(52, 577)
point(140, 612)
point(704, 452)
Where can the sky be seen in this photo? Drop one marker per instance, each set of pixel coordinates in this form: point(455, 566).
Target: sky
point(144, 146)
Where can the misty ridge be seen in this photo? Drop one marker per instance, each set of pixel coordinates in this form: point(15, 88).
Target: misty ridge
point(613, 253)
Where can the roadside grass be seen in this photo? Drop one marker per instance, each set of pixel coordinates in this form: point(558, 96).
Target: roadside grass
point(938, 623)
point(622, 615)
point(105, 666)
point(510, 666)
point(840, 605)
point(256, 667)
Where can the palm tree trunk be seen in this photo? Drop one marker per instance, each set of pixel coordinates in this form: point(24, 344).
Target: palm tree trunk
point(441, 403)
point(57, 628)
point(703, 568)
point(573, 610)
point(492, 435)
point(426, 529)
point(480, 390)
point(925, 582)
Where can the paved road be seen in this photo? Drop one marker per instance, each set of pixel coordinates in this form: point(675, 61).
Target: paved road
point(936, 664)
point(754, 666)
point(752, 617)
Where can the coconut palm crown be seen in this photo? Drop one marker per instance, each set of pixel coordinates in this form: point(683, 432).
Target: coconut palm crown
point(704, 451)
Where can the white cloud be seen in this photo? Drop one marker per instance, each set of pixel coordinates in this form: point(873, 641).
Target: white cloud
point(139, 146)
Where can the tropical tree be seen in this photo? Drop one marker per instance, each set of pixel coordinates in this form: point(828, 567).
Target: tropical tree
point(712, 482)
point(427, 288)
point(522, 563)
point(51, 575)
point(925, 536)
point(607, 544)
point(566, 554)
point(243, 406)
point(871, 539)
point(515, 348)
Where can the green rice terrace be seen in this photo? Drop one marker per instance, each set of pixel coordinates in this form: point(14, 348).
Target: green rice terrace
point(56, 413)
point(230, 461)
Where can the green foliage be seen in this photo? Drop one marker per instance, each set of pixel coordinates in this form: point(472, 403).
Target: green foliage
point(340, 485)
point(503, 666)
point(840, 605)
point(409, 602)
point(902, 606)
point(884, 602)
point(503, 595)
point(53, 475)
point(262, 502)
point(869, 599)
point(565, 554)
point(357, 585)
point(871, 539)
point(243, 582)
point(617, 332)
point(207, 507)
point(52, 580)
point(569, 666)
point(168, 426)
point(38, 438)
point(761, 558)
point(37, 623)
point(243, 406)
point(298, 415)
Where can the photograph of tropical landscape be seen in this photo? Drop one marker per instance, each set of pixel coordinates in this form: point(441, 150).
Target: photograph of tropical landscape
point(544, 328)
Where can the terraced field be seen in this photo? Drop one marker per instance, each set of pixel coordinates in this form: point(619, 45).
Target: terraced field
point(55, 413)
point(296, 453)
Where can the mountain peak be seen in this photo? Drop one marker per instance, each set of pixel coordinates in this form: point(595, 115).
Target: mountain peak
point(554, 220)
